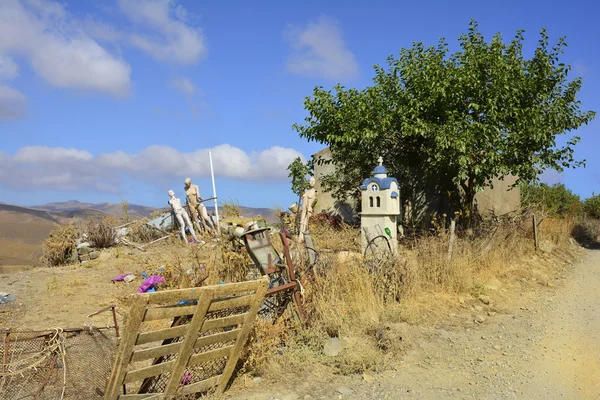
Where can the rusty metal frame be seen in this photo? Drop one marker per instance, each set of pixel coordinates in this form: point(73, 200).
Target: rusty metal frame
point(277, 266)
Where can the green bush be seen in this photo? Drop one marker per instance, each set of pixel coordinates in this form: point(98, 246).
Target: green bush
point(591, 206)
point(556, 200)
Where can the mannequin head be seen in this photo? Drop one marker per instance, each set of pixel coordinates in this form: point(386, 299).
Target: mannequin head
point(171, 193)
point(187, 182)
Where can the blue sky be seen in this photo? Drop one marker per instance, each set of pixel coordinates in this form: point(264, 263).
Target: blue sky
point(101, 99)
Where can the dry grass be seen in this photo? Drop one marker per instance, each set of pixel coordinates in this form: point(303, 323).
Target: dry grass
point(419, 286)
point(101, 232)
point(58, 248)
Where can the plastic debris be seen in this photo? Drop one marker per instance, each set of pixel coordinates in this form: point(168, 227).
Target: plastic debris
point(123, 277)
point(149, 283)
point(7, 298)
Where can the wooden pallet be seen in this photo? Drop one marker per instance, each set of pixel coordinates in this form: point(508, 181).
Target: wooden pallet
point(212, 326)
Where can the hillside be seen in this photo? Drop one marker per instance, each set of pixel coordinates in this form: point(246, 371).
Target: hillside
point(23, 229)
point(113, 209)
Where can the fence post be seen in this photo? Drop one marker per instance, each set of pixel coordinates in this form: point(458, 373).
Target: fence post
point(452, 237)
point(535, 235)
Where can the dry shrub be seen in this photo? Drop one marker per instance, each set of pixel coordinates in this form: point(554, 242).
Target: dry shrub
point(265, 341)
point(327, 237)
point(342, 297)
point(60, 246)
point(101, 233)
point(232, 209)
point(141, 232)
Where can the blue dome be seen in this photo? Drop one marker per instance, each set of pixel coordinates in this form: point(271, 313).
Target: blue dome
point(380, 169)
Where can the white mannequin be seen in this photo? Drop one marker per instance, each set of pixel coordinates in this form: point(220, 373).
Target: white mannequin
point(181, 216)
point(308, 198)
point(197, 209)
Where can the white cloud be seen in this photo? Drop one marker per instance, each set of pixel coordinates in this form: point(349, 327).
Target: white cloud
point(319, 50)
point(72, 169)
point(184, 86)
point(8, 69)
point(61, 53)
point(13, 103)
point(176, 40)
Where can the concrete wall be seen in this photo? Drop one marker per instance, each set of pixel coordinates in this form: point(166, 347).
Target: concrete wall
point(325, 200)
point(499, 199)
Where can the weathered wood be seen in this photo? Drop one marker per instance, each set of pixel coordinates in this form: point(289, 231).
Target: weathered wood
point(174, 296)
point(153, 370)
point(147, 396)
point(232, 302)
point(128, 243)
point(217, 338)
point(188, 343)
point(154, 241)
point(133, 320)
point(242, 337)
point(452, 239)
point(155, 352)
point(201, 386)
point(168, 312)
point(223, 322)
point(210, 355)
point(207, 300)
point(162, 334)
point(535, 234)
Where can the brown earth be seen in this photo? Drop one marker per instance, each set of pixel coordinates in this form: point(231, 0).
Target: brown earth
point(539, 336)
point(540, 339)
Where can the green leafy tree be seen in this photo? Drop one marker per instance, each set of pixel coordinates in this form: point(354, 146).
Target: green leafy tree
point(299, 172)
point(592, 206)
point(556, 199)
point(447, 124)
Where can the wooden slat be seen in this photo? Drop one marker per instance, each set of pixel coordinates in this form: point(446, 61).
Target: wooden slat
point(168, 312)
point(223, 322)
point(243, 336)
point(210, 355)
point(217, 338)
point(174, 296)
point(201, 386)
point(234, 302)
point(167, 333)
point(153, 370)
point(188, 343)
point(155, 352)
point(147, 396)
point(133, 320)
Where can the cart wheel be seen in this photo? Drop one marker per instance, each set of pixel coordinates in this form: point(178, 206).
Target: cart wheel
point(377, 253)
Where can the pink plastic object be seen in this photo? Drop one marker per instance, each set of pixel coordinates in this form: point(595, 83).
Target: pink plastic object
point(149, 283)
point(120, 277)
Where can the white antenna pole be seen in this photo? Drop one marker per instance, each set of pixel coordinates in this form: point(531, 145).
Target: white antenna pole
point(212, 174)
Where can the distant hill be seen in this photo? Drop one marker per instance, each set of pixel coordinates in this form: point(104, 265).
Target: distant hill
point(23, 229)
point(113, 209)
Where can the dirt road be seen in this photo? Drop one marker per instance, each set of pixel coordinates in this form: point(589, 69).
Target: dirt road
point(537, 342)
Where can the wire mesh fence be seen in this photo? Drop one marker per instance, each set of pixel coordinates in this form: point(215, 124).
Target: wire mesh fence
point(55, 364)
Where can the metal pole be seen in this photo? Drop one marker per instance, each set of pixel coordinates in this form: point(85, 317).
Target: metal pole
point(212, 174)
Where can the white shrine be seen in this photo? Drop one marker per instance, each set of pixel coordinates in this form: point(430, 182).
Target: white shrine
point(380, 208)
